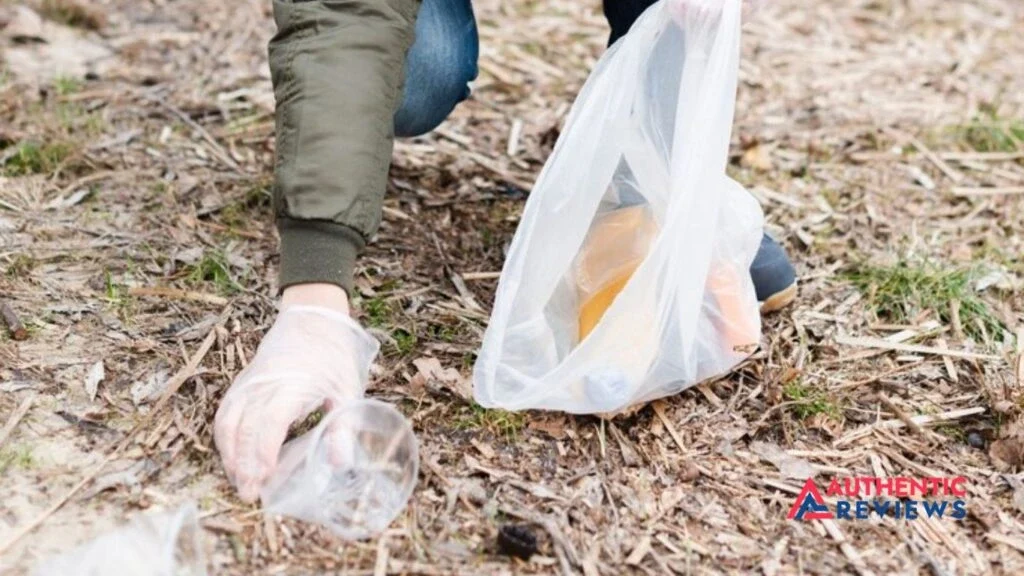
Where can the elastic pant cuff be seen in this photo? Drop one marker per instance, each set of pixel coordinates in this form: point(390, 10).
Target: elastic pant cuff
point(317, 251)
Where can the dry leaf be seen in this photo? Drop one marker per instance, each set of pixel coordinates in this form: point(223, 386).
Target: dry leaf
point(448, 378)
point(41, 50)
point(93, 379)
point(1009, 451)
point(789, 466)
point(24, 25)
point(129, 478)
point(150, 389)
point(552, 426)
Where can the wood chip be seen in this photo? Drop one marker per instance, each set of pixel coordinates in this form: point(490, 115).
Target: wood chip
point(14, 325)
point(913, 348)
point(948, 362)
point(996, 191)
point(515, 131)
point(659, 410)
point(471, 276)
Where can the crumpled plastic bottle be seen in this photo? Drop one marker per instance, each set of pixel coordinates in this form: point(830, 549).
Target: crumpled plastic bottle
point(353, 473)
point(160, 544)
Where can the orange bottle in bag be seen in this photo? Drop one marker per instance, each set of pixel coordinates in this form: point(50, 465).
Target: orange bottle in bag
point(739, 327)
point(615, 246)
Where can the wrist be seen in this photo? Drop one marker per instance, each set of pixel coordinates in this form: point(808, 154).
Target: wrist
point(330, 296)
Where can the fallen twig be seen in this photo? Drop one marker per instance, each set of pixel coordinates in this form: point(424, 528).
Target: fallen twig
point(16, 417)
point(848, 550)
point(659, 411)
point(174, 293)
point(18, 331)
point(921, 420)
point(939, 163)
point(904, 417)
point(994, 191)
point(887, 345)
point(471, 276)
point(990, 156)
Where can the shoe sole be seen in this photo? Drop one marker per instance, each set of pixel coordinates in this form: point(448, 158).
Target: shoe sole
point(773, 303)
point(779, 300)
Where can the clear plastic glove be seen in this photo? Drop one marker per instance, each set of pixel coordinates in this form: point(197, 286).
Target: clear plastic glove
point(312, 357)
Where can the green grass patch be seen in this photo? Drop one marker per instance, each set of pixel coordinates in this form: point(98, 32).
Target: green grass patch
point(16, 457)
point(67, 85)
point(32, 158)
point(901, 292)
point(247, 209)
point(213, 269)
point(952, 431)
point(405, 341)
point(378, 311)
point(809, 401)
point(443, 333)
point(115, 295)
point(20, 266)
point(989, 133)
point(73, 13)
point(77, 122)
point(498, 422)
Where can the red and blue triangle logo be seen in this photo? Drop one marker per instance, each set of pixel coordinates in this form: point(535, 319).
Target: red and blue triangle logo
point(809, 504)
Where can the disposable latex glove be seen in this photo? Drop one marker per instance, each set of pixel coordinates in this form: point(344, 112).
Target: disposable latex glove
point(312, 356)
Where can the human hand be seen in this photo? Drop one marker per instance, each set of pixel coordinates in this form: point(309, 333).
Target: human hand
point(314, 355)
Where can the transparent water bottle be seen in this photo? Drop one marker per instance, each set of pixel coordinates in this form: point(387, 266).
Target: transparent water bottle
point(353, 473)
point(154, 544)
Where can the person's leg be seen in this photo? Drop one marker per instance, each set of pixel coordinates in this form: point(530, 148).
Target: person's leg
point(622, 13)
point(440, 65)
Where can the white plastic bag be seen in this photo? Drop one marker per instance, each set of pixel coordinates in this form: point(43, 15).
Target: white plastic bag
point(633, 204)
point(156, 544)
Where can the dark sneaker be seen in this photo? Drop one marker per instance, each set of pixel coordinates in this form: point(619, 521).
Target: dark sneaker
point(773, 275)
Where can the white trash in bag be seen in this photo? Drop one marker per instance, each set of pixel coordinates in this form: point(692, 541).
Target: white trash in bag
point(628, 278)
point(156, 544)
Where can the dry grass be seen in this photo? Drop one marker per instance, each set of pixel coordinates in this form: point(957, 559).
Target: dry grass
point(857, 125)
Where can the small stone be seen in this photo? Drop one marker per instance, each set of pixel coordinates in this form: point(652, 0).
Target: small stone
point(1004, 407)
point(517, 540)
point(690, 472)
point(976, 440)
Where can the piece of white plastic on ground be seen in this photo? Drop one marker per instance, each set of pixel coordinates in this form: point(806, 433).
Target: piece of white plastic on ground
point(353, 473)
point(651, 128)
point(151, 544)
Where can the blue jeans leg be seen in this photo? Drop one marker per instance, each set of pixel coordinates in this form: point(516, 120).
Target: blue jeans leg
point(439, 67)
